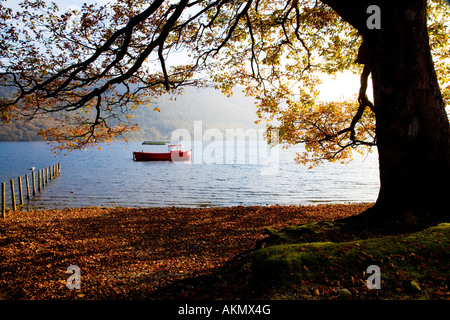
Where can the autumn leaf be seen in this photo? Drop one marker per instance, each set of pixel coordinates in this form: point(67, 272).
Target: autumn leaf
point(144, 249)
point(92, 60)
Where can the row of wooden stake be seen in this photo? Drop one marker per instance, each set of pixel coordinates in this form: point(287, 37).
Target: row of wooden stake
point(44, 177)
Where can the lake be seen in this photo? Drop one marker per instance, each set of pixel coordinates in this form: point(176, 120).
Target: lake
point(219, 174)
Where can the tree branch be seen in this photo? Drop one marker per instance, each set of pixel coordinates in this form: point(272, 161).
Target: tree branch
point(352, 11)
point(128, 29)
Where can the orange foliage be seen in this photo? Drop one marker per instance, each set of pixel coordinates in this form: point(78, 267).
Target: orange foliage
point(92, 67)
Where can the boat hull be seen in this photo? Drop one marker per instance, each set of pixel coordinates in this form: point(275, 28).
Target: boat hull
point(167, 156)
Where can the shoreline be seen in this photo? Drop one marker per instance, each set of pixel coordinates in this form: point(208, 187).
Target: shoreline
point(129, 253)
point(28, 208)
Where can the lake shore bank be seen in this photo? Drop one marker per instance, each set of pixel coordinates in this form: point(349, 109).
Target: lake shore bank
point(129, 253)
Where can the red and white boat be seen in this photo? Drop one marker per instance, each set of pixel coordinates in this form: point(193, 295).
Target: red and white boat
point(176, 153)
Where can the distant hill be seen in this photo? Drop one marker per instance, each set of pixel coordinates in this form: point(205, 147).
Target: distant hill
point(210, 106)
point(23, 131)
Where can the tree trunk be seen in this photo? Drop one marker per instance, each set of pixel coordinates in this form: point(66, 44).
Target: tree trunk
point(412, 127)
point(413, 134)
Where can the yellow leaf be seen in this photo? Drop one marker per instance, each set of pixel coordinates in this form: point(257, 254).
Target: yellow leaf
point(156, 109)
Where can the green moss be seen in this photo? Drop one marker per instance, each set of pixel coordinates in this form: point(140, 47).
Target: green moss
point(422, 257)
point(309, 232)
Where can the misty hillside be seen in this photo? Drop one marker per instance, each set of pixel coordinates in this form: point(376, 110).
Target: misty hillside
point(209, 106)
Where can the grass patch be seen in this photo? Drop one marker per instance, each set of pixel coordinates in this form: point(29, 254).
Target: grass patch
point(413, 266)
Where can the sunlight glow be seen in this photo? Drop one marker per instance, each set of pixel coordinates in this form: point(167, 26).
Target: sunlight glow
point(342, 87)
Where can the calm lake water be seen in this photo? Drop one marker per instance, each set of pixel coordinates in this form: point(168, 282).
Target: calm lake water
point(219, 174)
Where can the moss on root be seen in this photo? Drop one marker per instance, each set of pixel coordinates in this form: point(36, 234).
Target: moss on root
point(413, 266)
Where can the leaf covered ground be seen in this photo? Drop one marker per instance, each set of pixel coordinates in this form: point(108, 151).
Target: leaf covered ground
point(176, 253)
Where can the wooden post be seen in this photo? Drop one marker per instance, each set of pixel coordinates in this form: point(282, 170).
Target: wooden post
point(59, 168)
point(50, 175)
point(39, 180)
point(28, 187)
point(13, 195)
point(3, 200)
point(46, 176)
point(33, 176)
point(20, 191)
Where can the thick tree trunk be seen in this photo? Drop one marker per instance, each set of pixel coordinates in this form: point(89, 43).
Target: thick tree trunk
point(413, 134)
point(412, 127)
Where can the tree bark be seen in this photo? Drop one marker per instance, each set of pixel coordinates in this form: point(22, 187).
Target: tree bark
point(412, 127)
